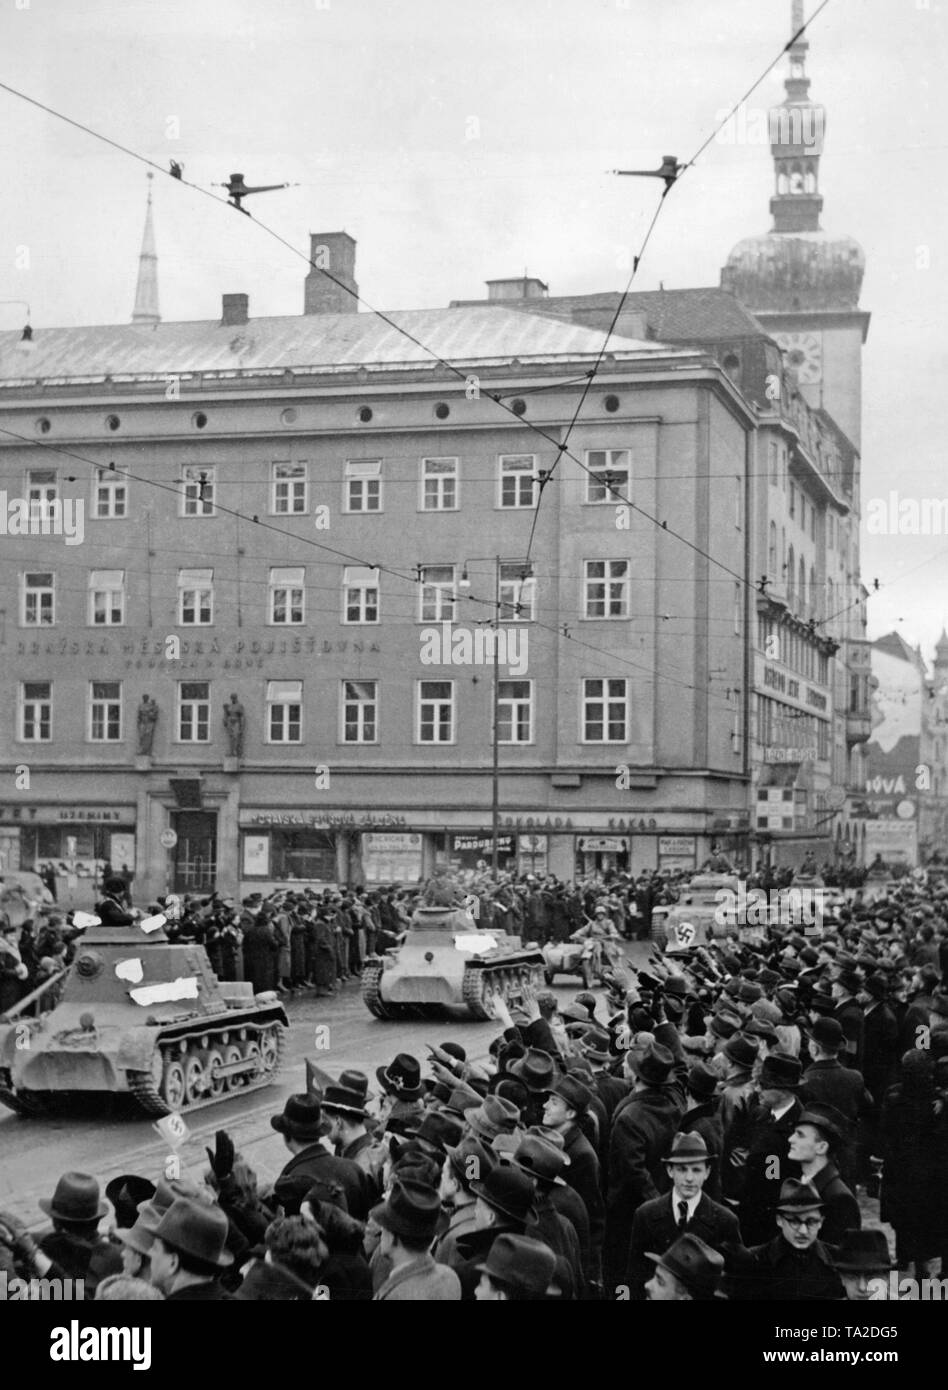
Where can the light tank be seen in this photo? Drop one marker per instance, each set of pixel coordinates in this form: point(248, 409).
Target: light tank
point(445, 958)
point(142, 1016)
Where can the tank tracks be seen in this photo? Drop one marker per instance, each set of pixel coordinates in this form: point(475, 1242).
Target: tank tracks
point(483, 984)
point(372, 993)
point(200, 1069)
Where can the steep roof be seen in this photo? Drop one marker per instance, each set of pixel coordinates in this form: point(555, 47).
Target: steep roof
point(317, 342)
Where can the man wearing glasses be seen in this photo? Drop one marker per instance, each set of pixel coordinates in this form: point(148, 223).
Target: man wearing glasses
point(795, 1266)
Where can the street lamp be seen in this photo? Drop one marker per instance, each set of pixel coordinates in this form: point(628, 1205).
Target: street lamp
point(465, 583)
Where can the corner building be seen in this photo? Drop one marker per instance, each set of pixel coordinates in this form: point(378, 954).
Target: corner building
point(278, 509)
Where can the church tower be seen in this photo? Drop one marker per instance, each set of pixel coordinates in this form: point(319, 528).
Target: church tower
point(802, 284)
point(146, 291)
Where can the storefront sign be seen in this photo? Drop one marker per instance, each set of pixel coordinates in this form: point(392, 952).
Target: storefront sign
point(481, 844)
point(605, 844)
point(59, 815)
point(327, 820)
point(391, 857)
point(676, 844)
point(789, 688)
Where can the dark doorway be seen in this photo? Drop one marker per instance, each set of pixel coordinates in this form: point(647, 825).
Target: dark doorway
point(195, 854)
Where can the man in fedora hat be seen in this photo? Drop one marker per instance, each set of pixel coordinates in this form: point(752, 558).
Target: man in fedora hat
point(345, 1108)
point(863, 1263)
point(190, 1251)
point(659, 1223)
point(761, 1161)
point(817, 1138)
point(305, 1129)
point(74, 1248)
point(703, 1116)
point(794, 1266)
point(505, 1201)
point(848, 1011)
point(517, 1270)
point(137, 1243)
point(642, 1131)
point(538, 1071)
point(689, 1271)
point(830, 1082)
point(566, 1105)
point(737, 1087)
point(465, 1164)
point(493, 1116)
point(409, 1221)
point(547, 1165)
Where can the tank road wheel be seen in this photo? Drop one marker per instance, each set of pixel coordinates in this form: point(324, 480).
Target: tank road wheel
point(233, 1054)
point(195, 1079)
point(252, 1050)
point(173, 1085)
point(216, 1084)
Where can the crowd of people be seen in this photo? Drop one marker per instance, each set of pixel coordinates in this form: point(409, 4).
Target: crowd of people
point(704, 1129)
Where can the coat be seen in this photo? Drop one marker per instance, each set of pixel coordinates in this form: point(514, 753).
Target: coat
point(75, 1258)
point(880, 1050)
point(568, 1203)
point(831, 1083)
point(261, 952)
point(911, 1181)
point(848, 1013)
point(705, 1119)
point(314, 1165)
point(766, 1167)
point(421, 1280)
point(583, 1176)
point(655, 1228)
point(775, 1272)
point(642, 1131)
point(841, 1210)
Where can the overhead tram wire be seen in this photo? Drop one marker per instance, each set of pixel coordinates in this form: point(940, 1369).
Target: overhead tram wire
point(560, 448)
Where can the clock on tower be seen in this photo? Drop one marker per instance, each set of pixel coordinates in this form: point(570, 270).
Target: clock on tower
point(804, 352)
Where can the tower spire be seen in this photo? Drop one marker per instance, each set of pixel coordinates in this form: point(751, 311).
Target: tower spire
point(146, 291)
point(796, 142)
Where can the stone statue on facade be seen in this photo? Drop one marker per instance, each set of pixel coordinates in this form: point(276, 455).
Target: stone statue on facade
point(146, 721)
point(234, 721)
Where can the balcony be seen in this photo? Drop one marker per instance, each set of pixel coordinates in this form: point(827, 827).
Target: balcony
point(858, 726)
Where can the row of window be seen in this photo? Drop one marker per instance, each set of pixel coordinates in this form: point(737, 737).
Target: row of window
point(439, 485)
point(780, 727)
point(605, 594)
point(604, 711)
point(792, 649)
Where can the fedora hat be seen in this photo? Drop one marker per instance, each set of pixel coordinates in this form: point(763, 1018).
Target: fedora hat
point(126, 1194)
point(828, 1032)
point(798, 1197)
point(702, 1081)
point(196, 1230)
point(688, 1148)
point(401, 1078)
point(877, 985)
point(413, 1209)
point(863, 1252)
point(656, 1067)
point(823, 1004)
point(780, 1072)
point(167, 1191)
point(493, 1116)
point(536, 1070)
point(572, 1090)
point(340, 1100)
point(741, 1050)
point(509, 1190)
point(697, 1266)
point(302, 1119)
point(541, 1160)
point(470, 1160)
point(462, 1099)
point(724, 1025)
point(76, 1199)
point(827, 1119)
point(139, 1237)
point(438, 1131)
point(760, 1028)
point(522, 1264)
point(594, 1044)
point(355, 1081)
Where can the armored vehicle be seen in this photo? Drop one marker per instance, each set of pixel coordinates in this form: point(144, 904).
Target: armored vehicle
point(141, 1016)
point(445, 958)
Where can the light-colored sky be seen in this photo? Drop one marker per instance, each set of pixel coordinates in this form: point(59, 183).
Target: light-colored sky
point(465, 141)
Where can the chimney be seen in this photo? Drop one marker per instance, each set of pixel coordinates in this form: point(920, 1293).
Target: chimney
point(234, 309)
point(334, 253)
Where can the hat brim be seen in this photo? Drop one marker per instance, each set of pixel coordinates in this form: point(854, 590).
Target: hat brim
point(291, 1131)
point(134, 1240)
point(381, 1217)
point(817, 1208)
point(224, 1260)
point(549, 1292)
point(399, 1092)
point(331, 1108)
point(480, 1190)
point(538, 1177)
point(45, 1204)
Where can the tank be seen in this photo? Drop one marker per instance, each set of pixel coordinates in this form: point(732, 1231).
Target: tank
point(141, 1016)
point(445, 958)
point(699, 915)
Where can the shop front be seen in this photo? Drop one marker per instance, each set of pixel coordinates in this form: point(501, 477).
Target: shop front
point(70, 846)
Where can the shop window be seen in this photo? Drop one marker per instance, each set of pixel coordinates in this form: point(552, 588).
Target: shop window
point(439, 485)
point(38, 600)
point(284, 711)
point(36, 711)
point(195, 598)
point(105, 711)
point(608, 474)
point(286, 590)
point(302, 854)
point(606, 589)
point(107, 598)
point(288, 489)
point(363, 485)
point(605, 711)
point(360, 594)
point(435, 712)
point(360, 711)
point(515, 711)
